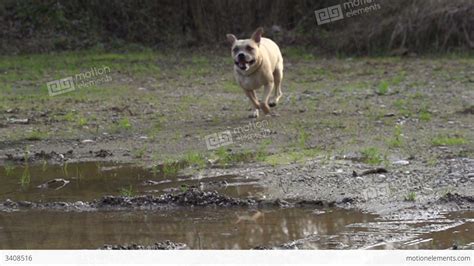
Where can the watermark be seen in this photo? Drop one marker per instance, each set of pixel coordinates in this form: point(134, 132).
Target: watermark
point(350, 8)
point(437, 258)
point(216, 140)
point(248, 132)
point(329, 14)
point(60, 86)
point(95, 76)
point(376, 191)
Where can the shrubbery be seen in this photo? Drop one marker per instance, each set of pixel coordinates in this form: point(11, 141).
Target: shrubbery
point(403, 26)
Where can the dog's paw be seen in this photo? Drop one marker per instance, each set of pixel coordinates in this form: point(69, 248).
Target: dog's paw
point(272, 104)
point(254, 114)
point(265, 107)
point(273, 114)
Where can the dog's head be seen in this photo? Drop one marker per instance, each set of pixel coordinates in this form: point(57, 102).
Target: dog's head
point(246, 52)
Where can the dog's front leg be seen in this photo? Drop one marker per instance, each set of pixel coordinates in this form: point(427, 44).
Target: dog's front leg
point(253, 99)
point(266, 97)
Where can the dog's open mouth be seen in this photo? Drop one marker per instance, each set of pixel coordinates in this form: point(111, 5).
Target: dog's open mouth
point(244, 65)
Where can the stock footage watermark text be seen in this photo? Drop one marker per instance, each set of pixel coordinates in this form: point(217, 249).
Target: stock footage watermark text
point(252, 131)
point(347, 9)
point(95, 76)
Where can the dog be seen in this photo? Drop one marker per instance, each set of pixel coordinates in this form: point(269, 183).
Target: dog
point(258, 62)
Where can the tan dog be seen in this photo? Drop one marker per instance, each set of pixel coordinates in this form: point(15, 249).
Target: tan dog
point(258, 62)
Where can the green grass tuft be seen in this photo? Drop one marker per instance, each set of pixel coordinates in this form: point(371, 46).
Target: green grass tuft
point(170, 168)
point(397, 140)
point(195, 159)
point(8, 168)
point(383, 87)
point(140, 152)
point(127, 191)
point(36, 135)
point(25, 177)
point(124, 123)
point(411, 196)
point(448, 141)
point(372, 155)
point(424, 116)
point(284, 158)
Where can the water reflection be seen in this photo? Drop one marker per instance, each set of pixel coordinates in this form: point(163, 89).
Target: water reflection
point(92, 180)
point(199, 228)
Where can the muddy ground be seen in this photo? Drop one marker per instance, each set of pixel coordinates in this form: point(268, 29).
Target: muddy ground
point(390, 136)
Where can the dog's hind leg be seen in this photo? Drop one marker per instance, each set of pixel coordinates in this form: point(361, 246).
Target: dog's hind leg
point(253, 99)
point(278, 77)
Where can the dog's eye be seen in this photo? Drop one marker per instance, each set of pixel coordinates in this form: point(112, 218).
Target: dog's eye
point(235, 50)
point(249, 48)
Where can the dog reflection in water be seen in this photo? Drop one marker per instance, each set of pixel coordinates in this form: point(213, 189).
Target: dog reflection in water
point(249, 218)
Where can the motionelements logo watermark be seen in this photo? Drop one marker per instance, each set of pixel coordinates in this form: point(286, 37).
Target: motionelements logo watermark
point(95, 76)
point(351, 8)
point(249, 132)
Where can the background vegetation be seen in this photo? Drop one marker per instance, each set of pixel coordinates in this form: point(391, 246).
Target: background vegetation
point(404, 26)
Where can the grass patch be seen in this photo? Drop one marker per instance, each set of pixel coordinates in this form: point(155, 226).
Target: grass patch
point(8, 168)
point(81, 121)
point(195, 159)
point(170, 168)
point(302, 138)
point(231, 87)
point(69, 116)
point(65, 169)
point(383, 87)
point(121, 125)
point(448, 141)
point(424, 116)
point(403, 107)
point(410, 196)
point(372, 155)
point(262, 153)
point(127, 191)
point(139, 153)
point(399, 78)
point(361, 85)
point(36, 135)
point(298, 53)
point(124, 123)
point(198, 67)
point(156, 127)
point(397, 140)
point(225, 157)
point(25, 177)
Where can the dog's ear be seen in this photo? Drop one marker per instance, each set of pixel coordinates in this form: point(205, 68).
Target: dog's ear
point(231, 38)
point(257, 35)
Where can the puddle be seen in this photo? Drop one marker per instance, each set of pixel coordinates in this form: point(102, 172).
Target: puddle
point(200, 227)
point(450, 230)
point(230, 228)
point(92, 180)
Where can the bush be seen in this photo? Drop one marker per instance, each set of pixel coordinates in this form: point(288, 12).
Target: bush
point(402, 26)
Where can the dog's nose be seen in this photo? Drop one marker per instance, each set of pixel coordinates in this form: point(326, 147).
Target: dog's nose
point(241, 56)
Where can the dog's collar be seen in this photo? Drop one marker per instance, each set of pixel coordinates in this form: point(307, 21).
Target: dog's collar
point(257, 66)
